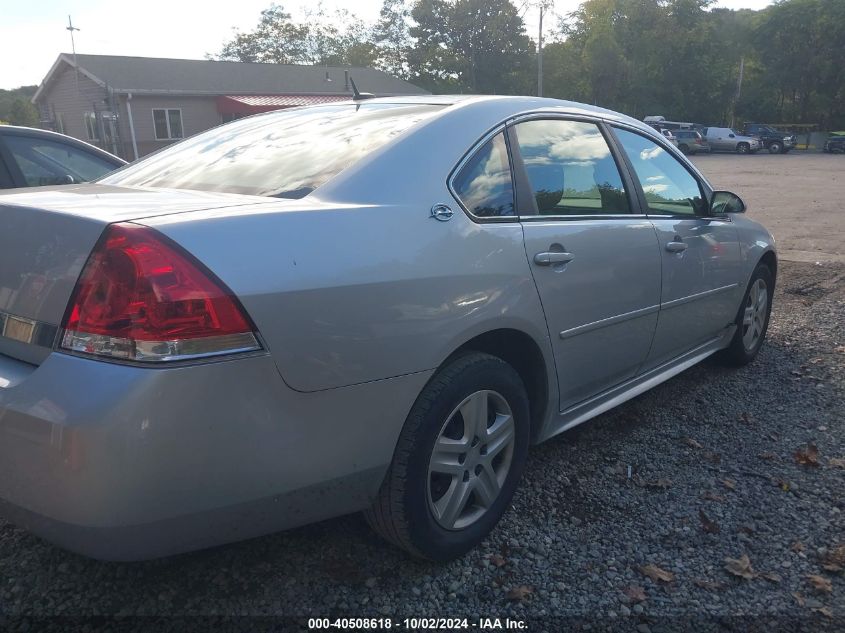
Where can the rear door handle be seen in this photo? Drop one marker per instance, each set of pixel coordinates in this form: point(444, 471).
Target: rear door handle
point(676, 247)
point(547, 259)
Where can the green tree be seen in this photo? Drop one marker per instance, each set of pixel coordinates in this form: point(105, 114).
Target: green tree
point(16, 106)
point(23, 112)
point(276, 39)
point(392, 37)
point(319, 40)
point(474, 45)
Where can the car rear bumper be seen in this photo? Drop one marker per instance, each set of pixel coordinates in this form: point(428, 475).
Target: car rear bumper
point(122, 462)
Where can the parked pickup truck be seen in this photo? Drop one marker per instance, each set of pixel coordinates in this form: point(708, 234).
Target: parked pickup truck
point(835, 144)
point(775, 141)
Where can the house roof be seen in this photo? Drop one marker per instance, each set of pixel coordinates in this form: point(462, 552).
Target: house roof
point(206, 77)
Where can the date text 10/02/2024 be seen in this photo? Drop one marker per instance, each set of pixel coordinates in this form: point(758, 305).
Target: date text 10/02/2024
point(416, 624)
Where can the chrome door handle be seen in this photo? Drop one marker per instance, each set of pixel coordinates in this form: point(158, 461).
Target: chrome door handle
point(547, 259)
point(676, 247)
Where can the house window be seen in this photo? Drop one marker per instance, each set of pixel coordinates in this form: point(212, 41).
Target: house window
point(167, 123)
point(91, 126)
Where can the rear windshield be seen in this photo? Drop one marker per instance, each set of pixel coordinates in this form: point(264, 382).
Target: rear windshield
point(285, 154)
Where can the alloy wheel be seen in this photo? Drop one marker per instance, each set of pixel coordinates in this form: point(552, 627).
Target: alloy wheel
point(754, 317)
point(471, 459)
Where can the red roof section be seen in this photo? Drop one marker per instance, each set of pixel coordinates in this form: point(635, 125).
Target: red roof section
point(236, 104)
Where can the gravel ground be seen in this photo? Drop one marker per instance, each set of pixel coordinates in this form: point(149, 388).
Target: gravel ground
point(798, 196)
point(700, 469)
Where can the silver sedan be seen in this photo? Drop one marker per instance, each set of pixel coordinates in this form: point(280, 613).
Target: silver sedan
point(376, 305)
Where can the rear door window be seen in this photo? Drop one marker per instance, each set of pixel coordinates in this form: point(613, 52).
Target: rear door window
point(570, 168)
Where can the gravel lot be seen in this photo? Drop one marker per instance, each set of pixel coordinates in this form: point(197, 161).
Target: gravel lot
point(797, 195)
point(698, 470)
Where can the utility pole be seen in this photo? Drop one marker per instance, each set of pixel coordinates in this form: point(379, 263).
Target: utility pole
point(544, 4)
point(70, 27)
point(738, 88)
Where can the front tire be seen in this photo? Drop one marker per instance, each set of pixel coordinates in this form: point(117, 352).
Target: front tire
point(743, 148)
point(458, 459)
point(775, 148)
point(752, 321)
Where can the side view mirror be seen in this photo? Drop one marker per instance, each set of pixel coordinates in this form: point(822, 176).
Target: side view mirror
point(732, 135)
point(724, 202)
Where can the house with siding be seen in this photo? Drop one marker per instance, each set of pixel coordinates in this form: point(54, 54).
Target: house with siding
point(132, 106)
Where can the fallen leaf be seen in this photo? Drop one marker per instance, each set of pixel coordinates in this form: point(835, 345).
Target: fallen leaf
point(799, 598)
point(747, 529)
point(834, 559)
point(836, 462)
point(635, 593)
point(820, 583)
point(692, 443)
point(710, 496)
point(497, 560)
point(520, 594)
point(783, 485)
point(659, 483)
point(797, 546)
point(710, 585)
point(767, 456)
point(807, 455)
point(840, 349)
point(825, 611)
point(745, 417)
point(730, 484)
point(713, 458)
point(770, 576)
point(740, 567)
point(708, 525)
point(655, 573)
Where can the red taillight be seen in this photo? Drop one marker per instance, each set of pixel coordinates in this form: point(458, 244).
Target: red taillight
point(141, 297)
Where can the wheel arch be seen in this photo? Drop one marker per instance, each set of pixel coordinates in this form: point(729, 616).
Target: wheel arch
point(771, 260)
point(524, 354)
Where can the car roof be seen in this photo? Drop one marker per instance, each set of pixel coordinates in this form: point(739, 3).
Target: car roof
point(515, 104)
point(20, 130)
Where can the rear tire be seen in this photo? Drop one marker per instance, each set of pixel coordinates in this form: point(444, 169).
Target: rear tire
point(775, 148)
point(752, 320)
point(684, 148)
point(438, 501)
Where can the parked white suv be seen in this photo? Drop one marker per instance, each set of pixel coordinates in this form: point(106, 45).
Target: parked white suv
point(724, 139)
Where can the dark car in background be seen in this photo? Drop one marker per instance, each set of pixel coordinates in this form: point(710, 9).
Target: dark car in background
point(691, 142)
point(835, 144)
point(776, 141)
point(34, 158)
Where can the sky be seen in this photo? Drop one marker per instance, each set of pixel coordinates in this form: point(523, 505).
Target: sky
point(33, 33)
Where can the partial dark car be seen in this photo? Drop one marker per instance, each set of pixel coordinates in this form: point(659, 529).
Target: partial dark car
point(691, 142)
point(35, 158)
point(835, 144)
point(776, 141)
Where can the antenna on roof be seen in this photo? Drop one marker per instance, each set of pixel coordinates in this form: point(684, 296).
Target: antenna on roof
point(70, 27)
point(357, 95)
